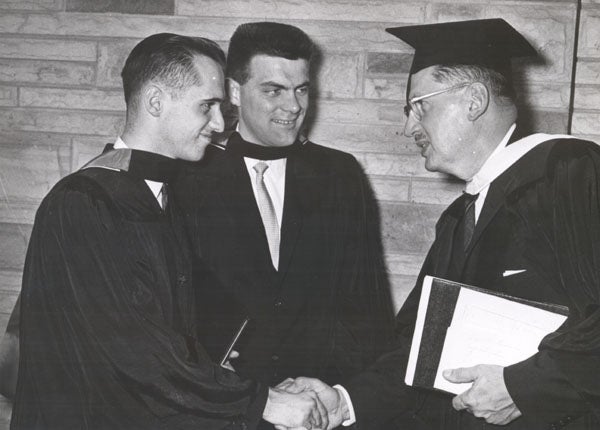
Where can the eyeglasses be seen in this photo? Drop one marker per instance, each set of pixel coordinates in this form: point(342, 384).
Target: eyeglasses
point(415, 106)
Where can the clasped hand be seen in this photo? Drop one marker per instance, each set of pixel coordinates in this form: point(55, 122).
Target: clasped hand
point(488, 397)
point(305, 404)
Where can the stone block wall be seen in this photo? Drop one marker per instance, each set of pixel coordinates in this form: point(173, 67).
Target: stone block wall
point(586, 116)
point(60, 96)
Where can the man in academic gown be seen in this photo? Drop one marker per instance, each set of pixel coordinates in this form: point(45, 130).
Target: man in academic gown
point(528, 225)
point(107, 317)
point(287, 228)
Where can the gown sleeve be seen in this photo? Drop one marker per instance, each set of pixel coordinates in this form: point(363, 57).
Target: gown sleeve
point(364, 328)
point(563, 378)
point(379, 393)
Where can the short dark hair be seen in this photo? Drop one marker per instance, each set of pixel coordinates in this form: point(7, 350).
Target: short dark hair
point(499, 84)
point(266, 38)
point(168, 58)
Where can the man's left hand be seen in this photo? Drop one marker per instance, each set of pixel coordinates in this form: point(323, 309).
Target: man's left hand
point(488, 397)
point(337, 409)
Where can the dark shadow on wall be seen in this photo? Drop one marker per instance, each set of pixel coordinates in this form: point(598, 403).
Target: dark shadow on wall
point(313, 104)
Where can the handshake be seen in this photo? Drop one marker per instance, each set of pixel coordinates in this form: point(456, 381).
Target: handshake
point(305, 404)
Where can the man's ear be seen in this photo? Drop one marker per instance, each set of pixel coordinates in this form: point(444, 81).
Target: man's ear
point(479, 100)
point(233, 91)
point(154, 100)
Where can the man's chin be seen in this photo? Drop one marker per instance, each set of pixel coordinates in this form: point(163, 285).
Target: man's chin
point(287, 139)
point(281, 136)
point(429, 165)
point(197, 154)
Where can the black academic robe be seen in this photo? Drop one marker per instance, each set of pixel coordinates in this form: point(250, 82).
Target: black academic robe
point(541, 216)
point(107, 338)
point(326, 312)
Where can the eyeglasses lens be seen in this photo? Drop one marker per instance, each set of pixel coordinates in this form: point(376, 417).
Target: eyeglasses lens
point(415, 109)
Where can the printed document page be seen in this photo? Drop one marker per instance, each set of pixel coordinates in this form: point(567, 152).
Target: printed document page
point(486, 329)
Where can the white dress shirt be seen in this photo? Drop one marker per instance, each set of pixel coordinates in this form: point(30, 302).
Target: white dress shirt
point(274, 179)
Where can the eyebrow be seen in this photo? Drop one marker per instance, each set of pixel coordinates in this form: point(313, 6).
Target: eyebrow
point(283, 87)
point(272, 84)
point(213, 100)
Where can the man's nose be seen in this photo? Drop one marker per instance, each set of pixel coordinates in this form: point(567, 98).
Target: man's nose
point(217, 122)
point(410, 126)
point(292, 104)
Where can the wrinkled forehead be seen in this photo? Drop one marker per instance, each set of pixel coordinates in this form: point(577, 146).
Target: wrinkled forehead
point(421, 82)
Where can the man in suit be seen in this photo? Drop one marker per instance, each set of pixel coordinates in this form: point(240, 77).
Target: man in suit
point(107, 319)
point(528, 225)
point(286, 229)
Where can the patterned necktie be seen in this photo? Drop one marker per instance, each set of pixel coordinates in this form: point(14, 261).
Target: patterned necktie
point(267, 212)
point(164, 197)
point(469, 221)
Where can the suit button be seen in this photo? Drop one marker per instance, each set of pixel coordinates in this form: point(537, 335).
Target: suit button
point(274, 357)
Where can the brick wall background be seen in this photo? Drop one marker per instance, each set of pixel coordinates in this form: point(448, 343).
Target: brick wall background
point(60, 95)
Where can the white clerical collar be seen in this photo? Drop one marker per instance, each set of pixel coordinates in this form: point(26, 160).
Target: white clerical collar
point(155, 187)
point(485, 175)
point(505, 156)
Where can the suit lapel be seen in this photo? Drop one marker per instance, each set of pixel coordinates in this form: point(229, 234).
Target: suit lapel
point(302, 184)
point(493, 202)
point(235, 195)
point(291, 222)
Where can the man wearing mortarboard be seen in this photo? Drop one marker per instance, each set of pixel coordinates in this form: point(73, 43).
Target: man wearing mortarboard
point(534, 233)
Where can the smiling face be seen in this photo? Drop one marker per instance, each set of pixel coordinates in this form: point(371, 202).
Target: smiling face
point(442, 131)
point(190, 116)
point(273, 102)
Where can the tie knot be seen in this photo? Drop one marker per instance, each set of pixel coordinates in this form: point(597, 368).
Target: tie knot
point(260, 167)
point(470, 198)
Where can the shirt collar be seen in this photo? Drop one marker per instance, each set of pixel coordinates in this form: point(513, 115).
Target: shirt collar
point(119, 144)
point(155, 187)
point(276, 167)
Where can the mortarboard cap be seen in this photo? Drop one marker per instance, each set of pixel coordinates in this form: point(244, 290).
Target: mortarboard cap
point(484, 42)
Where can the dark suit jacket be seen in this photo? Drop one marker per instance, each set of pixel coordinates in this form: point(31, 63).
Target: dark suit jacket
point(540, 216)
point(326, 313)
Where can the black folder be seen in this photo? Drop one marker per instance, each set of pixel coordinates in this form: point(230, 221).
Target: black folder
point(435, 316)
